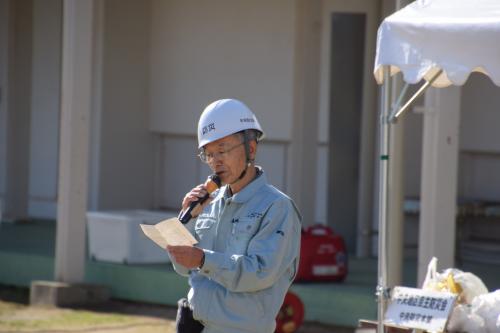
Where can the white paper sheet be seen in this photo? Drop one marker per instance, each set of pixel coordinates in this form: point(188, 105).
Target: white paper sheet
point(168, 232)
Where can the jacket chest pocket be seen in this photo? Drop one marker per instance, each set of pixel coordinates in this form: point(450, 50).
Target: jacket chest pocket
point(243, 230)
point(204, 230)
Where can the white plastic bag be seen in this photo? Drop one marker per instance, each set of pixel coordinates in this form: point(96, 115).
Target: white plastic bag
point(462, 320)
point(476, 311)
point(430, 280)
point(482, 316)
point(465, 284)
point(472, 286)
point(488, 307)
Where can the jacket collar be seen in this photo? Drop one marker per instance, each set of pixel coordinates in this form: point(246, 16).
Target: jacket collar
point(248, 191)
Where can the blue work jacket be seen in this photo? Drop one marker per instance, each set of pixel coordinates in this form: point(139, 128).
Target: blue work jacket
point(251, 242)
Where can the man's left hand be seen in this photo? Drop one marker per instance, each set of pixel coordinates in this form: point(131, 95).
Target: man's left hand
point(187, 256)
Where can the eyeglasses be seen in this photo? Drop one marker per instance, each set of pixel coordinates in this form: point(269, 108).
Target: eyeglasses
point(209, 157)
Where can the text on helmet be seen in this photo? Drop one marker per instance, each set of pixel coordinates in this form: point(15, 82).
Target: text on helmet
point(247, 120)
point(210, 127)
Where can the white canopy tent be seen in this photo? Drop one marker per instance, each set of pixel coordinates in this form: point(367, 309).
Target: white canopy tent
point(441, 41)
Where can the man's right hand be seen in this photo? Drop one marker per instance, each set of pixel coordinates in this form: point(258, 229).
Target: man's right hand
point(198, 192)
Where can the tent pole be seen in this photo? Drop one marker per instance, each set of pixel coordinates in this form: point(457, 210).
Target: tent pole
point(395, 107)
point(382, 290)
point(386, 119)
point(394, 115)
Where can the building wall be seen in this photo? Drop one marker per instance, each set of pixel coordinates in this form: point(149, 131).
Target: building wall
point(126, 149)
point(479, 155)
point(18, 107)
point(413, 128)
point(203, 51)
point(479, 176)
point(4, 33)
point(124, 153)
point(211, 50)
point(125, 168)
point(162, 62)
point(45, 108)
point(479, 159)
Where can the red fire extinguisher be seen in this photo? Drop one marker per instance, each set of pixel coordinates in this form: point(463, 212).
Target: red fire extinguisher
point(291, 314)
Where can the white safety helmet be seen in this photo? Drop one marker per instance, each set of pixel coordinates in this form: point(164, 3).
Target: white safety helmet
point(225, 117)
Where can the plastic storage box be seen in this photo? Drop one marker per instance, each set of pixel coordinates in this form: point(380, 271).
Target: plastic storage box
point(115, 236)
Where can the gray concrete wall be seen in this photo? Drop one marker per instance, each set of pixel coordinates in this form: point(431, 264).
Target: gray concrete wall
point(126, 153)
point(479, 159)
point(4, 42)
point(479, 176)
point(19, 105)
point(162, 62)
point(203, 51)
point(206, 51)
point(45, 108)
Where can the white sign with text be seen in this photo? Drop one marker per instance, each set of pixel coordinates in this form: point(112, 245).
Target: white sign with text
point(421, 309)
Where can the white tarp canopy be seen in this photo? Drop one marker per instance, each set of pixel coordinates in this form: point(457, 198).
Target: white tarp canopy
point(457, 36)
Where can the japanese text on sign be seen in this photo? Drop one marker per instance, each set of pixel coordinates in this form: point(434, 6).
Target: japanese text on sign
point(417, 308)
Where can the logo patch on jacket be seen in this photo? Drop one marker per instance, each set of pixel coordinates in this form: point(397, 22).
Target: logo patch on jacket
point(255, 215)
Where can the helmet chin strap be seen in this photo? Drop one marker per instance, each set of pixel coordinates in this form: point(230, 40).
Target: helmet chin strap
point(243, 173)
point(249, 161)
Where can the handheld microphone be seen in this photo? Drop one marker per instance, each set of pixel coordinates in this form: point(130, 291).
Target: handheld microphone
point(212, 183)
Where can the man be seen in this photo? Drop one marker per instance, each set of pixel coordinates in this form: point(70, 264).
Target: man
point(248, 233)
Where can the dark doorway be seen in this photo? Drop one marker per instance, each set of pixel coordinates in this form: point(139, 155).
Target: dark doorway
point(346, 82)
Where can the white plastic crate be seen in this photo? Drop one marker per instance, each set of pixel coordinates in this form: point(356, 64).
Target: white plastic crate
point(115, 236)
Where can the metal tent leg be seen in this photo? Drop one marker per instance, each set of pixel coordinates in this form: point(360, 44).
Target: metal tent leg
point(386, 119)
point(382, 291)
